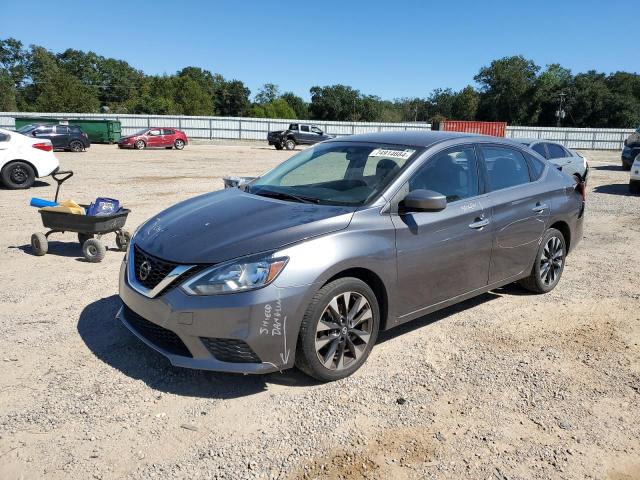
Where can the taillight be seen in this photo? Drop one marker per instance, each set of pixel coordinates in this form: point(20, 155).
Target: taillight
point(46, 147)
point(85, 135)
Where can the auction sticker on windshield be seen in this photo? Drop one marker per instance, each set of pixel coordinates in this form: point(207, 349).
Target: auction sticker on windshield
point(384, 152)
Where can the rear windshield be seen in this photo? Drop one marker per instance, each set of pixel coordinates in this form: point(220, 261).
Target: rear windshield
point(336, 173)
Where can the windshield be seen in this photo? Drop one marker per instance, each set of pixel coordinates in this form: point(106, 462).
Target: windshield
point(336, 173)
point(26, 128)
point(140, 132)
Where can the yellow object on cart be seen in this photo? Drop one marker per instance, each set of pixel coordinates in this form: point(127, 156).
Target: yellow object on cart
point(66, 206)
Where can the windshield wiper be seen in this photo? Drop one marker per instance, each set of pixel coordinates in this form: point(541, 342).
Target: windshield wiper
point(285, 195)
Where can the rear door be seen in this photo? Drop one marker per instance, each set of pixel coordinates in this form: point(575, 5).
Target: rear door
point(60, 137)
point(519, 211)
point(441, 255)
point(168, 137)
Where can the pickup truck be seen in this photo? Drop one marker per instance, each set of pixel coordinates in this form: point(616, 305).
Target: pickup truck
point(297, 134)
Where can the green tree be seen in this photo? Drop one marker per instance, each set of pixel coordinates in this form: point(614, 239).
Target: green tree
point(297, 104)
point(465, 104)
point(553, 81)
point(7, 93)
point(268, 93)
point(277, 108)
point(507, 87)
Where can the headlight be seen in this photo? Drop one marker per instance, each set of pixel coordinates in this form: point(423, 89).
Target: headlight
point(236, 276)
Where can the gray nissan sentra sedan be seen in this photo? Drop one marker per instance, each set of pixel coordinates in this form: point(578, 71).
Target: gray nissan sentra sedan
point(306, 264)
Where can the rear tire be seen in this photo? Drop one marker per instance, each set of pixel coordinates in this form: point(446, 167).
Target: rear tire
point(290, 144)
point(549, 264)
point(18, 175)
point(39, 244)
point(340, 327)
point(94, 250)
point(278, 146)
point(634, 186)
point(139, 145)
point(76, 146)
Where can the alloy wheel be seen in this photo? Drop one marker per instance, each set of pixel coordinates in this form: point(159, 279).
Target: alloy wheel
point(76, 146)
point(551, 261)
point(343, 331)
point(19, 175)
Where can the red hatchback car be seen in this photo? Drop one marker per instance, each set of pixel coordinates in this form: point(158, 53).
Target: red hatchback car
point(155, 137)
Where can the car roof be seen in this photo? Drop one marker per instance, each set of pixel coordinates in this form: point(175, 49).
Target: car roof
point(421, 138)
point(529, 141)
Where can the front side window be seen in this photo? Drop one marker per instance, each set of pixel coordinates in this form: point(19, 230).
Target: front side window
point(155, 132)
point(453, 173)
point(556, 151)
point(337, 173)
point(539, 147)
point(505, 167)
point(62, 129)
point(304, 128)
point(45, 130)
point(316, 130)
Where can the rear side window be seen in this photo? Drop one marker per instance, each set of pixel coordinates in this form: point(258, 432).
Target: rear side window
point(74, 129)
point(536, 167)
point(556, 151)
point(168, 132)
point(539, 147)
point(293, 126)
point(505, 167)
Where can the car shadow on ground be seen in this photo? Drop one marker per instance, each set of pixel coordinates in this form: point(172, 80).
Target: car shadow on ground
point(614, 189)
point(612, 168)
point(112, 343)
point(36, 184)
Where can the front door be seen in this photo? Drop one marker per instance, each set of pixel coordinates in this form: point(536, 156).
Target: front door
point(441, 255)
point(154, 138)
point(518, 209)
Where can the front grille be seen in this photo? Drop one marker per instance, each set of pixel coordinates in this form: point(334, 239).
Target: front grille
point(163, 338)
point(158, 269)
point(230, 350)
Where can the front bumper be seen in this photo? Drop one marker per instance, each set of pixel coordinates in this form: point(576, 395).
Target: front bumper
point(628, 155)
point(250, 332)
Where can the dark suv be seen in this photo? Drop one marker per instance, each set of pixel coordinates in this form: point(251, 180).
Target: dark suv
point(63, 137)
point(297, 134)
point(631, 149)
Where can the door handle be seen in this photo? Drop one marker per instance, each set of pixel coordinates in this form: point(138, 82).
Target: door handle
point(478, 223)
point(539, 208)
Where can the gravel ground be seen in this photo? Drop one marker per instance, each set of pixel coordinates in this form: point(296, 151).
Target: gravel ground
point(506, 386)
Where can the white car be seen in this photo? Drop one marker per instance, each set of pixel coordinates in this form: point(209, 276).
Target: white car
point(23, 159)
point(634, 181)
point(567, 160)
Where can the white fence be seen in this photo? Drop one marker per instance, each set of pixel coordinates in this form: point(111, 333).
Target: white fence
point(218, 127)
point(257, 128)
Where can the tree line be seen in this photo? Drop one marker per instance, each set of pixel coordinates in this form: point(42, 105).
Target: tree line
point(512, 89)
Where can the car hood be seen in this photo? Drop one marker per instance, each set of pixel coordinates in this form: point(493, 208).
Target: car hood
point(231, 223)
point(127, 137)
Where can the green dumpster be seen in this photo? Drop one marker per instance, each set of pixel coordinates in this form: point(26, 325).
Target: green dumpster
point(99, 131)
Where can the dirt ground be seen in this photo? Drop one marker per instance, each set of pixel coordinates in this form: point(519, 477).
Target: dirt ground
point(506, 386)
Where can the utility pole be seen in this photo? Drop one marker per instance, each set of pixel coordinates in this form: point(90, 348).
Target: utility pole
point(560, 113)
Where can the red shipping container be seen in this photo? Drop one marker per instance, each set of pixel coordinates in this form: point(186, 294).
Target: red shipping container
point(496, 129)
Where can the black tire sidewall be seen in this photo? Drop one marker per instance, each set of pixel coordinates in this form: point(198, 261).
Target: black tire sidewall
point(178, 142)
point(306, 357)
point(6, 176)
point(552, 232)
point(76, 143)
point(290, 144)
point(100, 250)
point(139, 142)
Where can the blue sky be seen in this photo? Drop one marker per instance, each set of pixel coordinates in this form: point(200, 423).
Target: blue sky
point(391, 49)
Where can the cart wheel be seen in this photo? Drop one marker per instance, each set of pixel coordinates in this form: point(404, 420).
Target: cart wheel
point(39, 244)
point(122, 240)
point(83, 237)
point(94, 250)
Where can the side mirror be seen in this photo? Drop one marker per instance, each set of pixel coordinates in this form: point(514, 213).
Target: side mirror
point(423, 201)
point(34, 134)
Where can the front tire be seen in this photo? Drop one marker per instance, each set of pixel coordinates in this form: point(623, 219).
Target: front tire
point(549, 263)
point(634, 186)
point(139, 145)
point(338, 330)
point(18, 175)
point(178, 144)
point(39, 244)
point(290, 144)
